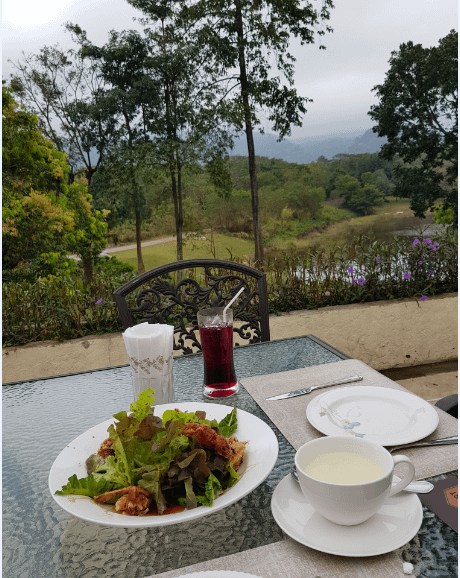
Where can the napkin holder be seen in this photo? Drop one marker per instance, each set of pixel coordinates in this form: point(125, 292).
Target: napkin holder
point(150, 353)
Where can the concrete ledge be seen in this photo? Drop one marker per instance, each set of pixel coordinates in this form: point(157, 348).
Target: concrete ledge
point(383, 334)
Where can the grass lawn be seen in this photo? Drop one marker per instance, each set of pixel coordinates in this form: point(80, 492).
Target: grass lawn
point(226, 247)
point(392, 216)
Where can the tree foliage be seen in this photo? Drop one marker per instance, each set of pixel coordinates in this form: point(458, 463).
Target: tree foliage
point(67, 94)
point(240, 42)
point(359, 197)
point(43, 217)
point(35, 218)
point(418, 113)
point(168, 110)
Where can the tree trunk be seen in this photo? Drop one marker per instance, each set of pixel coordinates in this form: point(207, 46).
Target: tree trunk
point(176, 194)
point(140, 261)
point(89, 172)
point(258, 247)
point(180, 213)
point(87, 262)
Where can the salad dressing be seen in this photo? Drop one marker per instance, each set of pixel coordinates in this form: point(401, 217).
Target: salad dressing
point(169, 510)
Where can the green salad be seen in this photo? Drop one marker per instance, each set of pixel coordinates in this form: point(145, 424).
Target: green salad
point(152, 464)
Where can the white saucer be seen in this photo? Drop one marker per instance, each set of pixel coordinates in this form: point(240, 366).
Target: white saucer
point(397, 522)
point(383, 415)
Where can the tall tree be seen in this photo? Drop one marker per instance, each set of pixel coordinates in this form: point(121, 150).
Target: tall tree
point(189, 127)
point(242, 41)
point(67, 95)
point(132, 93)
point(170, 109)
point(418, 113)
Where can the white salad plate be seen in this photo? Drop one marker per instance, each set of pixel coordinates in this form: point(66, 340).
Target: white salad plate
point(397, 522)
point(218, 574)
point(380, 414)
point(259, 459)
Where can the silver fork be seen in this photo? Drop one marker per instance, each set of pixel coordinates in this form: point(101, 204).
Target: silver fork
point(439, 442)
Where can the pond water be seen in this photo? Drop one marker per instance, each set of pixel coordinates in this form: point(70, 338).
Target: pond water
point(390, 226)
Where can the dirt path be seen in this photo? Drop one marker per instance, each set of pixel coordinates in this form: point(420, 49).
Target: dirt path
point(143, 244)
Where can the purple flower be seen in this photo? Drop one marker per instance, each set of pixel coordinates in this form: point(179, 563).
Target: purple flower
point(406, 275)
point(420, 262)
point(350, 270)
point(361, 281)
point(433, 247)
point(99, 300)
point(430, 273)
point(429, 241)
point(416, 242)
point(378, 260)
point(423, 298)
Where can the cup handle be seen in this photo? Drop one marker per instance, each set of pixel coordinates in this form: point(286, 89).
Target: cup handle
point(407, 479)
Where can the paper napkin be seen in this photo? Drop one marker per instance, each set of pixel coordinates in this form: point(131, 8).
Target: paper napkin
point(150, 351)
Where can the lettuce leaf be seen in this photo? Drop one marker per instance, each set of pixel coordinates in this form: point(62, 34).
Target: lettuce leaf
point(187, 417)
point(123, 463)
point(142, 406)
point(211, 489)
point(190, 497)
point(121, 468)
point(88, 486)
point(234, 476)
point(151, 482)
point(229, 424)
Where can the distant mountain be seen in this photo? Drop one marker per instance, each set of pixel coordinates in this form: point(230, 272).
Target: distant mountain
point(368, 142)
point(307, 150)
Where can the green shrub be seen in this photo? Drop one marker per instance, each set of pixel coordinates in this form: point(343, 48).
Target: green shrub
point(59, 307)
point(365, 270)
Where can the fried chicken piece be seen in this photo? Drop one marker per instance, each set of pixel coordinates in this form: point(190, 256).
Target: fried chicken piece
point(105, 450)
point(208, 437)
point(134, 500)
point(231, 449)
point(238, 451)
point(135, 503)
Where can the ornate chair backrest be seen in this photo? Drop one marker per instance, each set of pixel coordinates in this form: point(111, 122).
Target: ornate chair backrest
point(173, 294)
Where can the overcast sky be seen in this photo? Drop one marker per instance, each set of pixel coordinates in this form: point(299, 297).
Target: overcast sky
point(338, 79)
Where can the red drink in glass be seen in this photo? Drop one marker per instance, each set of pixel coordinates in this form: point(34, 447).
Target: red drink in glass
point(217, 345)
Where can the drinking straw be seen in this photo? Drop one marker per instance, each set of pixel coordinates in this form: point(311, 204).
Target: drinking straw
point(228, 305)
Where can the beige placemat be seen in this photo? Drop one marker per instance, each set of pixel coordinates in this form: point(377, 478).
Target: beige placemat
point(292, 560)
point(289, 415)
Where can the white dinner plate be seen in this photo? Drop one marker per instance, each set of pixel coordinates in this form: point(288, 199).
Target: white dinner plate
point(397, 522)
point(259, 459)
point(380, 414)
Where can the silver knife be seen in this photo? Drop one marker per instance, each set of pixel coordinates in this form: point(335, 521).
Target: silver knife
point(313, 387)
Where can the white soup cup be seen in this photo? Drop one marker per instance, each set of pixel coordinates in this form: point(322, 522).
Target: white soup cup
point(350, 504)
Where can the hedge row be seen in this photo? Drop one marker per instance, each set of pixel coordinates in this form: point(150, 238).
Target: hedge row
point(59, 308)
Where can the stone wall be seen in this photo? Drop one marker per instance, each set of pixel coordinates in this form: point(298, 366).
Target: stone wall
point(383, 334)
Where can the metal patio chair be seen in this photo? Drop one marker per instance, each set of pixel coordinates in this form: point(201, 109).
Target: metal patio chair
point(173, 294)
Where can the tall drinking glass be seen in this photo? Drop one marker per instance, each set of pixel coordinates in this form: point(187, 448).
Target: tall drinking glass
point(217, 344)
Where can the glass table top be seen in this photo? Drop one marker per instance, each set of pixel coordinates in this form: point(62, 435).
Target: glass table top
point(41, 417)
